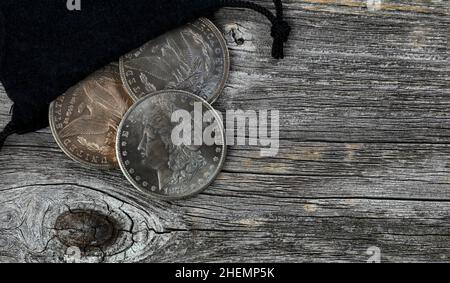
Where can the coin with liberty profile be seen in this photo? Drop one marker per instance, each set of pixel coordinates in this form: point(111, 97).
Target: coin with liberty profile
point(153, 162)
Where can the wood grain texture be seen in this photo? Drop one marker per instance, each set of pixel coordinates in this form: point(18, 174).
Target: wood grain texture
point(364, 154)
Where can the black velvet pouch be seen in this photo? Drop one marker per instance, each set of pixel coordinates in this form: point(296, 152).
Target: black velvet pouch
point(45, 48)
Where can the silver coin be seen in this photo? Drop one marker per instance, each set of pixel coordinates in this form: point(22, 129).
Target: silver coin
point(152, 155)
point(85, 119)
point(193, 58)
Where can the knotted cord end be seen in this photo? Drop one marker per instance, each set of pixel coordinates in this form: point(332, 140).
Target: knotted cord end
point(280, 33)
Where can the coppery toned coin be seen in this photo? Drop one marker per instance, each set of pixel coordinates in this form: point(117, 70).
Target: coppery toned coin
point(193, 58)
point(85, 119)
point(166, 159)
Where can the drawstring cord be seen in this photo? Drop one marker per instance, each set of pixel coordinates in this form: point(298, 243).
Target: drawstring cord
point(280, 28)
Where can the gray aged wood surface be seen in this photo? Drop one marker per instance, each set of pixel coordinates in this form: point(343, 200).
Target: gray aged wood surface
point(364, 157)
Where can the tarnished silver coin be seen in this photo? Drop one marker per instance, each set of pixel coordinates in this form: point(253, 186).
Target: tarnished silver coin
point(171, 145)
point(85, 119)
point(193, 58)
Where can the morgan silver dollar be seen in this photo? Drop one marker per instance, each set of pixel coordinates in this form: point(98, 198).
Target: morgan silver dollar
point(85, 119)
point(171, 145)
point(193, 58)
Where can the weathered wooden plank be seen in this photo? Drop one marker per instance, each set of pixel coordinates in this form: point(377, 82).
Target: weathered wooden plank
point(212, 228)
point(304, 170)
point(363, 158)
point(354, 75)
point(304, 213)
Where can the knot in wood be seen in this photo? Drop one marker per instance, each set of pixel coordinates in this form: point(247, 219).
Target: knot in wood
point(86, 229)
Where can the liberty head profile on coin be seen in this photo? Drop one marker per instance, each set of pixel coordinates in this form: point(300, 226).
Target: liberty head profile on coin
point(157, 165)
point(193, 58)
point(85, 119)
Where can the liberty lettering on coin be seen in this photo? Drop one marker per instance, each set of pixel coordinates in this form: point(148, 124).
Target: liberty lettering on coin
point(193, 58)
point(85, 119)
point(160, 166)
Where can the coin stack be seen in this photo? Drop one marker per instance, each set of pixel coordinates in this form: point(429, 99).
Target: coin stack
point(122, 115)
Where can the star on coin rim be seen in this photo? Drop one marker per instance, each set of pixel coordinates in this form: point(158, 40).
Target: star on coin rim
point(158, 196)
point(226, 59)
point(81, 162)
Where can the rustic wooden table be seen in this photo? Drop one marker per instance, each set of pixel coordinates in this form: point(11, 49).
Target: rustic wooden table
point(364, 158)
